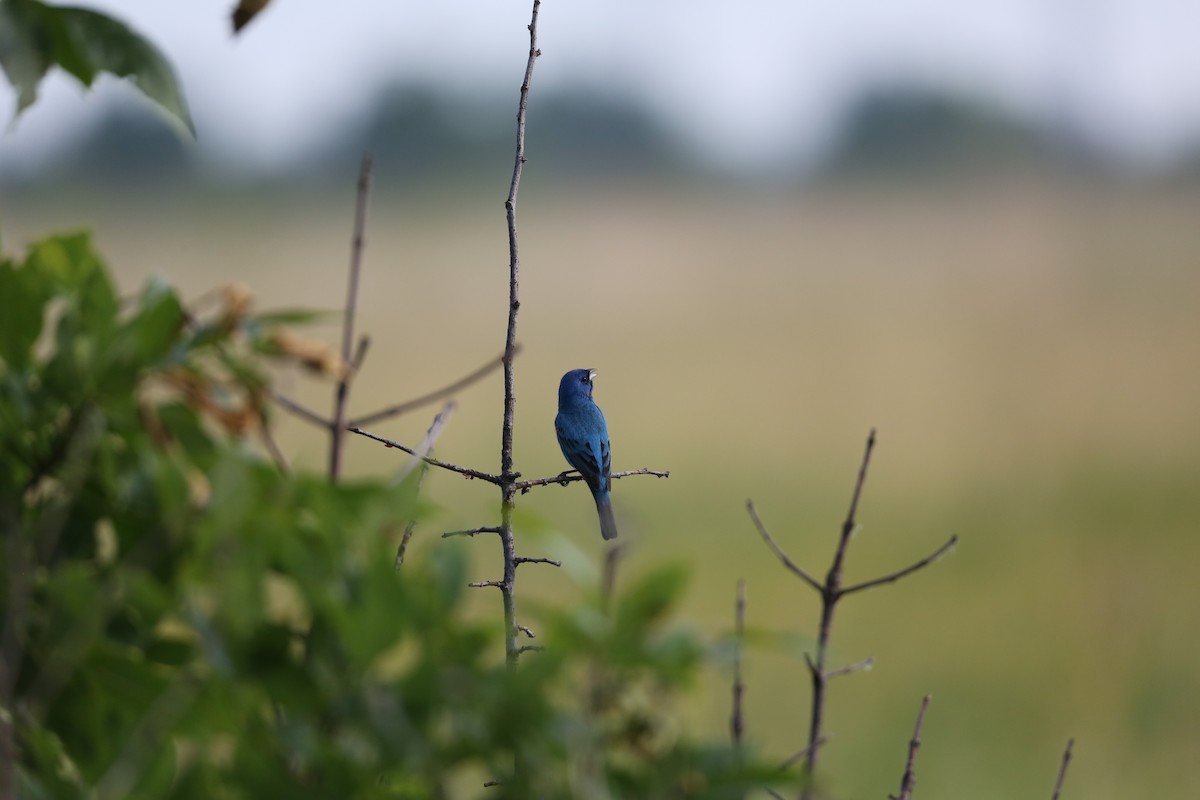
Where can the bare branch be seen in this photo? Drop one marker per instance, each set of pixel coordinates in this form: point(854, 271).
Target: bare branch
point(570, 476)
point(426, 445)
point(337, 428)
point(1062, 770)
point(737, 719)
point(472, 532)
point(287, 404)
point(787, 562)
point(909, 781)
point(858, 666)
point(522, 560)
point(895, 576)
point(525, 630)
point(466, 472)
point(431, 397)
point(529, 648)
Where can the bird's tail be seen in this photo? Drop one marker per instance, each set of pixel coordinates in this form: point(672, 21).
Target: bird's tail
point(608, 525)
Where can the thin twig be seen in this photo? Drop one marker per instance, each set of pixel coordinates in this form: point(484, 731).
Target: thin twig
point(525, 629)
point(472, 532)
point(737, 719)
point(801, 754)
point(426, 446)
point(307, 414)
point(1062, 770)
point(337, 429)
point(464, 471)
point(431, 397)
point(859, 666)
point(895, 576)
point(485, 584)
point(430, 436)
point(272, 448)
point(570, 476)
point(411, 525)
point(787, 562)
point(909, 781)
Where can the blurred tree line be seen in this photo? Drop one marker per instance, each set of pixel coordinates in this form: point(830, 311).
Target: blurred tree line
point(423, 133)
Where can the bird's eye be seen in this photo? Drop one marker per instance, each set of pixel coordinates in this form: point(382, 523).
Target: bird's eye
point(586, 379)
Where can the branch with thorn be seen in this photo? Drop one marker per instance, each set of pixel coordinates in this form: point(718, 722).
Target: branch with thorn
point(570, 476)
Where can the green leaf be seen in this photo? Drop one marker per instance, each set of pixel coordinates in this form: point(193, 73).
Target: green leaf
point(26, 46)
point(67, 260)
point(25, 296)
point(35, 37)
point(155, 330)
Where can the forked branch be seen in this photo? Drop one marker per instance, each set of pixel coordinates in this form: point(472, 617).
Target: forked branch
point(337, 428)
point(831, 591)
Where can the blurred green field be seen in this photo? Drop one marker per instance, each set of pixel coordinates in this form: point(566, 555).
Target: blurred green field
point(1029, 352)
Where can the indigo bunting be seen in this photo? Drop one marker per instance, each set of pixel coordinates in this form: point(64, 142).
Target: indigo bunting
point(583, 437)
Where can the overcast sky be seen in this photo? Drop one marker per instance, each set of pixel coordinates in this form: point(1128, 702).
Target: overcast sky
point(745, 81)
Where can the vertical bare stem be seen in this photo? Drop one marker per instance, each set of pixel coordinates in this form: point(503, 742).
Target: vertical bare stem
point(831, 592)
point(909, 781)
point(1062, 770)
point(508, 477)
point(337, 429)
point(737, 720)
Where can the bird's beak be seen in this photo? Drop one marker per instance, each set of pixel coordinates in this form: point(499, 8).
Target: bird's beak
point(591, 374)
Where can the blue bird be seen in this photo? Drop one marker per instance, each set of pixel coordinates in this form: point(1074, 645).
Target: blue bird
point(583, 437)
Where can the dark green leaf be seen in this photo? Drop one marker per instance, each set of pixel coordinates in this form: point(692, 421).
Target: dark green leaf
point(35, 37)
point(154, 331)
point(25, 294)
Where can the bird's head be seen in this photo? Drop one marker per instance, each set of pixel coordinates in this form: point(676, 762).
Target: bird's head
point(576, 385)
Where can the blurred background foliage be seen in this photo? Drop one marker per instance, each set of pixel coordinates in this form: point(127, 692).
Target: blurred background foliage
point(1011, 307)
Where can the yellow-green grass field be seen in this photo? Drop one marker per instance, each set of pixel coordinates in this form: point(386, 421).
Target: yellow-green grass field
point(1030, 355)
